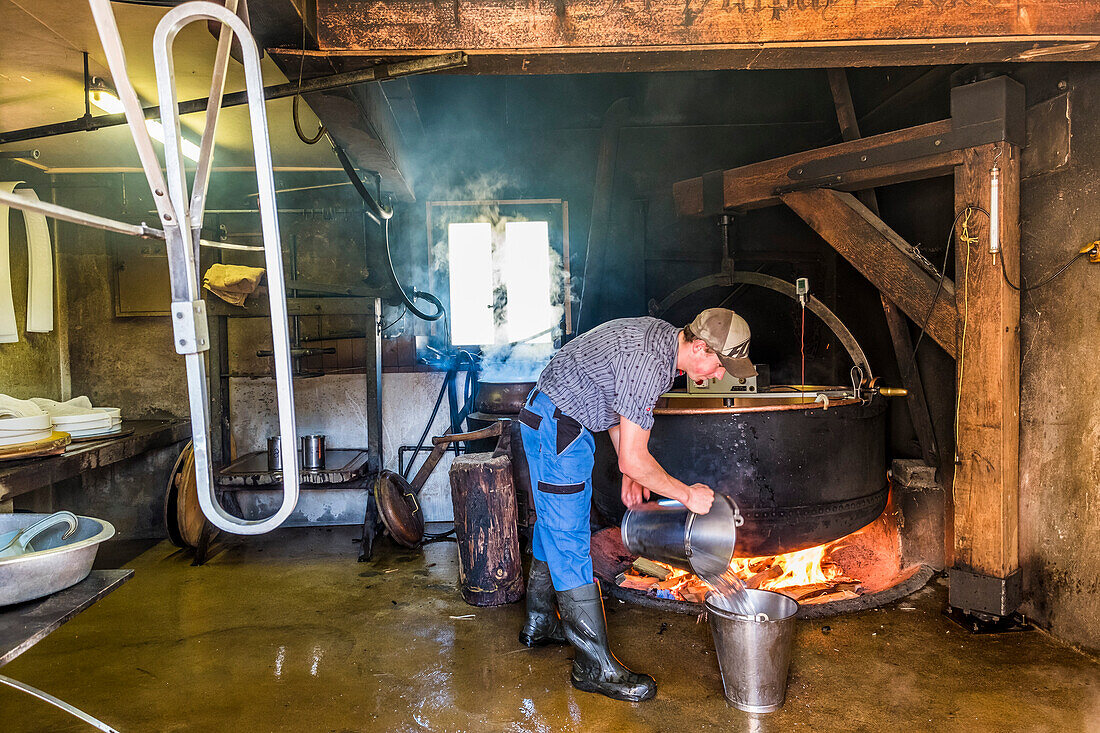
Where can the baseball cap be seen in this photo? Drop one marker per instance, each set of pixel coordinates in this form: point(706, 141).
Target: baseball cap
point(727, 334)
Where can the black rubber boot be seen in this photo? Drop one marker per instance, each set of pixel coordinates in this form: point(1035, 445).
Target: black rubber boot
point(595, 668)
point(543, 625)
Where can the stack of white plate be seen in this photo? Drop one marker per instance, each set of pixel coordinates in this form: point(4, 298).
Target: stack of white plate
point(16, 430)
point(102, 421)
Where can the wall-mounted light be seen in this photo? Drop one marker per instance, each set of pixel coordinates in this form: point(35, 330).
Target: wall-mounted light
point(104, 98)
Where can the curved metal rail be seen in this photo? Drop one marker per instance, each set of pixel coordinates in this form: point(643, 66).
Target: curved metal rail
point(729, 279)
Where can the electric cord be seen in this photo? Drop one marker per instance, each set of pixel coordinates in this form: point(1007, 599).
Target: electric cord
point(431, 421)
point(448, 536)
point(1023, 287)
point(321, 129)
point(802, 349)
point(939, 287)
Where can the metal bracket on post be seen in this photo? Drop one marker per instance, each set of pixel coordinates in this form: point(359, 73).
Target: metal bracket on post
point(189, 326)
point(985, 604)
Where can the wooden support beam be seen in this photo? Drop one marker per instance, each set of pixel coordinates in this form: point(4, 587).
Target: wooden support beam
point(984, 112)
point(759, 184)
point(771, 34)
point(987, 472)
point(878, 252)
point(895, 320)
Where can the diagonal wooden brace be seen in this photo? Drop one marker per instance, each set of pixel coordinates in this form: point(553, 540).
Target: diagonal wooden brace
point(879, 254)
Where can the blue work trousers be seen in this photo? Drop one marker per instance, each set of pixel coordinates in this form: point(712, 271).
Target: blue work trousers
point(560, 454)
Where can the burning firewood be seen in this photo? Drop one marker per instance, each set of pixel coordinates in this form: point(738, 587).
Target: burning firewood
point(830, 597)
point(636, 582)
point(648, 567)
point(770, 573)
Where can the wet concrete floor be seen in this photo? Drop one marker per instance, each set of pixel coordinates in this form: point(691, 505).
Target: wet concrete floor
point(288, 633)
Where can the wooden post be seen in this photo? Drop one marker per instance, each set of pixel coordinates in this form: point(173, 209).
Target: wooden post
point(489, 568)
point(987, 476)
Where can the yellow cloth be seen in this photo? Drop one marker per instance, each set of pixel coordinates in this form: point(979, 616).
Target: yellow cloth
point(232, 283)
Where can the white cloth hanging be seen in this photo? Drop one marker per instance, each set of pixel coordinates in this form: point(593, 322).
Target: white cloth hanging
point(39, 271)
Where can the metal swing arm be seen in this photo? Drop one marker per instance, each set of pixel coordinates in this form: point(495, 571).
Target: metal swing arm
point(181, 215)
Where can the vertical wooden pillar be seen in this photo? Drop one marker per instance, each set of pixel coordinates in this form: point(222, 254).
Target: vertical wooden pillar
point(987, 476)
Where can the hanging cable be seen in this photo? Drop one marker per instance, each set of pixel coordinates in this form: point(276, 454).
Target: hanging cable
point(1023, 287)
point(381, 215)
point(939, 286)
point(404, 310)
point(428, 425)
point(802, 349)
point(321, 130)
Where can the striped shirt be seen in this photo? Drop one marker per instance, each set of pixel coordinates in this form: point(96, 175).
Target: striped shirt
point(618, 368)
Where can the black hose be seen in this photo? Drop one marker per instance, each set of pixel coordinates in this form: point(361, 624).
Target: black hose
point(431, 421)
point(381, 216)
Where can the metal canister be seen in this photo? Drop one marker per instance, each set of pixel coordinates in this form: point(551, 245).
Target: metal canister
point(274, 454)
point(669, 532)
point(313, 452)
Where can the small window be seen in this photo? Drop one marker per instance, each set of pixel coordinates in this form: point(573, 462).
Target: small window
point(505, 268)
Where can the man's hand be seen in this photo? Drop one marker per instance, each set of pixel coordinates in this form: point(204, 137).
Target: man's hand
point(633, 492)
point(699, 499)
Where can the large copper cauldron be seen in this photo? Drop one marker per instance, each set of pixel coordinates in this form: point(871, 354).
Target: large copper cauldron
point(801, 475)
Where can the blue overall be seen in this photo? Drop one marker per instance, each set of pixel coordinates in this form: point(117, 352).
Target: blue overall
point(560, 454)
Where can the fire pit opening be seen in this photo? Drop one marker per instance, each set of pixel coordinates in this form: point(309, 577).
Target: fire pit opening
point(861, 570)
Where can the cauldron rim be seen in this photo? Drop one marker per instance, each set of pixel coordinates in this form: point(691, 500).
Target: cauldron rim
point(762, 408)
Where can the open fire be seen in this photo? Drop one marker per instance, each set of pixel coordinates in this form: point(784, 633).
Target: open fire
point(865, 561)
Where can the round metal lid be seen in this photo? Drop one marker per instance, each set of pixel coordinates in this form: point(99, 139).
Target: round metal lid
point(399, 509)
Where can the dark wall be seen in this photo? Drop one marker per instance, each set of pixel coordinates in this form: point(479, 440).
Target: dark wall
point(1059, 341)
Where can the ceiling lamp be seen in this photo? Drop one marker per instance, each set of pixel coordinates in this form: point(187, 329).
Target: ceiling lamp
point(104, 98)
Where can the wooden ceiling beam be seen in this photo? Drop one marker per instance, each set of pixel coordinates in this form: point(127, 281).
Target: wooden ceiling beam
point(760, 184)
point(773, 33)
point(736, 56)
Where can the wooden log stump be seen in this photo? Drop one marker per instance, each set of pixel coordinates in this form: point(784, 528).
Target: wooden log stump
point(489, 567)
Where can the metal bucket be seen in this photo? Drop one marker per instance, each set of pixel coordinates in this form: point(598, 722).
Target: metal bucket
point(668, 532)
point(754, 653)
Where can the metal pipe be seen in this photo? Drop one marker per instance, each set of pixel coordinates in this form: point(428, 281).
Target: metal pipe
point(57, 703)
point(381, 72)
point(74, 216)
point(32, 154)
